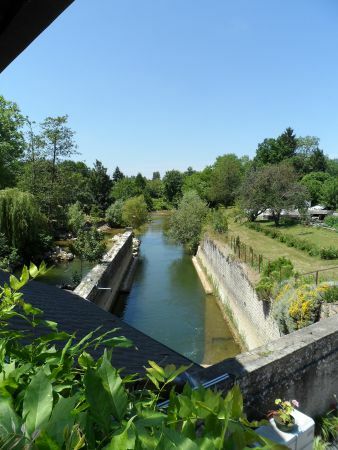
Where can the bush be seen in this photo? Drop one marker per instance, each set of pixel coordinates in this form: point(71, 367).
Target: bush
point(328, 253)
point(331, 221)
point(330, 295)
point(55, 395)
point(135, 212)
point(264, 288)
point(114, 214)
point(219, 220)
point(290, 241)
point(160, 204)
point(273, 273)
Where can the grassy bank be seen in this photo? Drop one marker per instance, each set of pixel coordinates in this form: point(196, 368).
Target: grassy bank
point(272, 249)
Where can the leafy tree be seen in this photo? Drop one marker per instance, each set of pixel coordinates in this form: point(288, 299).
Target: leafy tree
point(155, 188)
point(225, 180)
point(57, 140)
point(21, 221)
point(135, 212)
point(114, 214)
point(173, 182)
point(190, 171)
point(9, 257)
point(117, 175)
point(100, 185)
point(252, 193)
point(309, 158)
point(140, 182)
point(76, 218)
point(156, 176)
point(274, 151)
point(12, 143)
point(124, 189)
point(314, 182)
point(199, 182)
point(281, 190)
point(89, 246)
point(187, 221)
point(329, 193)
point(219, 220)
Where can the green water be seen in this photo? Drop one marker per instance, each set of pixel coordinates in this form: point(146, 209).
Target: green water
point(63, 272)
point(168, 303)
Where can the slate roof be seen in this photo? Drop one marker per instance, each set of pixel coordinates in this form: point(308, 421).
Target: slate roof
point(73, 313)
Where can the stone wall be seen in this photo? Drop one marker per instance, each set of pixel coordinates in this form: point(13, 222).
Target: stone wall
point(302, 365)
point(251, 317)
point(108, 274)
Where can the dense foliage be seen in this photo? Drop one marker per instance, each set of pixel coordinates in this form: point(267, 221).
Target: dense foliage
point(187, 221)
point(55, 395)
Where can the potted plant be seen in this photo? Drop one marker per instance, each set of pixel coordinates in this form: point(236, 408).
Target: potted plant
point(282, 416)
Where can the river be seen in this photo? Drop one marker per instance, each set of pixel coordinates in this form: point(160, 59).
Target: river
point(168, 303)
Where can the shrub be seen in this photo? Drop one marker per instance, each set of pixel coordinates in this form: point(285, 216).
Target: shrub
point(330, 295)
point(328, 253)
point(219, 220)
point(135, 212)
point(264, 288)
point(114, 214)
point(273, 273)
point(331, 221)
point(160, 204)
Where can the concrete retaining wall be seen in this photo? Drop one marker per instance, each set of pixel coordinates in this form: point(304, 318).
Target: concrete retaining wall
point(251, 316)
point(302, 365)
point(108, 274)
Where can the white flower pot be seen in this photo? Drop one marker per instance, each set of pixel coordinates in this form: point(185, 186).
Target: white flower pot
point(300, 439)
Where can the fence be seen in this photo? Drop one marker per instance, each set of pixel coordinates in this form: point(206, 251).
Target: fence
point(307, 276)
point(258, 262)
point(247, 254)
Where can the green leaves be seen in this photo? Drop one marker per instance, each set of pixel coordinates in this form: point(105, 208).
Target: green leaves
point(105, 394)
point(38, 402)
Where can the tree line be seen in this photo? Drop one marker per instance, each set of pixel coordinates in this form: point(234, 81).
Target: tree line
point(40, 178)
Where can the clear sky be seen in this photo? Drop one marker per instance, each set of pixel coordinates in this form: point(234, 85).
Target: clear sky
point(160, 84)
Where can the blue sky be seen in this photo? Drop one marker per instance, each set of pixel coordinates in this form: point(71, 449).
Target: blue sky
point(160, 84)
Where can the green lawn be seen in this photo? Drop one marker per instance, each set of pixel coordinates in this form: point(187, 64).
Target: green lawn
point(317, 236)
point(272, 249)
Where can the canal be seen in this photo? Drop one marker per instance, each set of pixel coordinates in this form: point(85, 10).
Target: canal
point(168, 303)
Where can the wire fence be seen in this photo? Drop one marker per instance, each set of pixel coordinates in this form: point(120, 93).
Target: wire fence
point(259, 262)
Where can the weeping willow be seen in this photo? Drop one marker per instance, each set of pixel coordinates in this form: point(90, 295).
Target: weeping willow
point(20, 219)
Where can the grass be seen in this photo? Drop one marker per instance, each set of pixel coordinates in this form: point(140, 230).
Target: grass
point(272, 249)
point(317, 236)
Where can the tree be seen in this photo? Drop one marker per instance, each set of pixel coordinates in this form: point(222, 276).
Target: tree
point(314, 182)
point(156, 176)
point(124, 189)
point(100, 185)
point(199, 182)
point(225, 180)
point(57, 140)
point(173, 182)
point(189, 171)
point(114, 214)
point(12, 143)
point(329, 193)
point(187, 221)
point(140, 182)
point(281, 190)
point(21, 221)
point(274, 151)
point(89, 246)
point(117, 175)
point(252, 193)
point(309, 158)
point(76, 218)
point(135, 212)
